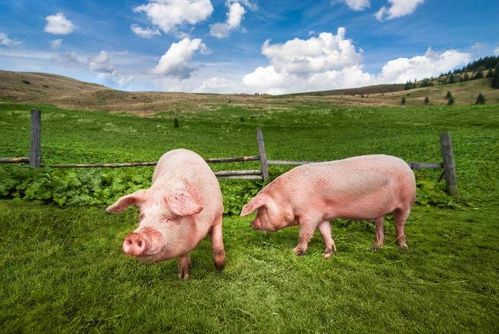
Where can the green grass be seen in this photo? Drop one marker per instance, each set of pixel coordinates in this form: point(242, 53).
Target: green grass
point(62, 270)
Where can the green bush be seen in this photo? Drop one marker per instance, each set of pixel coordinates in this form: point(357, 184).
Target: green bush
point(480, 99)
point(431, 193)
point(99, 187)
point(69, 187)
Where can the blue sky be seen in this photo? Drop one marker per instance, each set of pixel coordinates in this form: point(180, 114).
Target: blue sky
point(245, 45)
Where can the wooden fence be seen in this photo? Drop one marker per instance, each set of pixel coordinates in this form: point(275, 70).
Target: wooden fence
point(35, 159)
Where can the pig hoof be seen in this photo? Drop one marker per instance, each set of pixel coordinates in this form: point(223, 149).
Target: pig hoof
point(219, 266)
point(183, 275)
point(376, 246)
point(403, 246)
point(328, 252)
point(298, 251)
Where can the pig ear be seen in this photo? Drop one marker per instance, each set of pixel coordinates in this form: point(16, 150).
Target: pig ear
point(182, 202)
point(257, 202)
point(124, 202)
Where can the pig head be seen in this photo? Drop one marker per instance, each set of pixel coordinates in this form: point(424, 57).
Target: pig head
point(164, 218)
point(271, 216)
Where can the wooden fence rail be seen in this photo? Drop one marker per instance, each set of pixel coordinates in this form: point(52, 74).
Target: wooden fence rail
point(150, 163)
point(35, 159)
point(19, 160)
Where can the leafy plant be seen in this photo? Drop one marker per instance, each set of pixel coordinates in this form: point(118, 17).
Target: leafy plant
point(96, 187)
point(431, 193)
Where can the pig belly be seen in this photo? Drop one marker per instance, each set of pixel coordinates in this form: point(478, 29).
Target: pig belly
point(370, 206)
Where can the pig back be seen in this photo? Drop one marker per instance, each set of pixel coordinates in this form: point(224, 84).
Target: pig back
point(191, 169)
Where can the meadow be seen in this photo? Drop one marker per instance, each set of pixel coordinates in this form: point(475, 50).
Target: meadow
point(60, 257)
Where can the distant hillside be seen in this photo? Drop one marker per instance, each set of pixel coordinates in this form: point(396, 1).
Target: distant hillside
point(376, 89)
point(26, 86)
point(64, 92)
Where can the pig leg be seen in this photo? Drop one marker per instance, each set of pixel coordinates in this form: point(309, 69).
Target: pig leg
point(380, 234)
point(184, 266)
point(217, 244)
point(307, 228)
point(325, 229)
point(401, 216)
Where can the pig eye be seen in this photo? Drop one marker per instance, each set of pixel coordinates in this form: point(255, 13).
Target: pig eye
point(141, 216)
point(165, 218)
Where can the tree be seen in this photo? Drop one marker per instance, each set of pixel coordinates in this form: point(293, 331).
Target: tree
point(451, 79)
point(402, 101)
point(450, 98)
point(478, 75)
point(495, 79)
point(409, 85)
point(425, 83)
point(426, 101)
point(480, 99)
point(466, 76)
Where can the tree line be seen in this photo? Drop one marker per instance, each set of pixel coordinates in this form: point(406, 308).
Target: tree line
point(485, 67)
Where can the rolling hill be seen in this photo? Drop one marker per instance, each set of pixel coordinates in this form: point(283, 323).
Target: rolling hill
point(65, 92)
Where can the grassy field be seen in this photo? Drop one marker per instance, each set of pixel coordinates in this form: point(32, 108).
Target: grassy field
point(62, 270)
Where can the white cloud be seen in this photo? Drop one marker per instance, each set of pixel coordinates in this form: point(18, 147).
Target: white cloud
point(246, 3)
point(175, 62)
point(124, 81)
point(71, 58)
point(144, 32)
point(430, 64)
point(397, 8)
point(168, 14)
point(478, 46)
point(56, 43)
point(6, 41)
point(496, 51)
point(102, 64)
point(217, 85)
point(327, 61)
point(316, 54)
point(234, 17)
point(358, 4)
point(268, 80)
point(58, 24)
point(380, 14)
point(107, 73)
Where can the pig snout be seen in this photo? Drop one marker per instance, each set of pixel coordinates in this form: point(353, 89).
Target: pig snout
point(135, 244)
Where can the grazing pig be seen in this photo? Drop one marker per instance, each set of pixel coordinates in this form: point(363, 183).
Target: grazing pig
point(364, 187)
point(183, 204)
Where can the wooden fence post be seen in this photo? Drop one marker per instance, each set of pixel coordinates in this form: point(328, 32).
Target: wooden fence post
point(449, 164)
point(35, 154)
point(262, 154)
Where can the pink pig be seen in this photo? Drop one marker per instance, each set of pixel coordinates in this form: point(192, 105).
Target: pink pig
point(364, 187)
point(183, 204)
